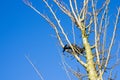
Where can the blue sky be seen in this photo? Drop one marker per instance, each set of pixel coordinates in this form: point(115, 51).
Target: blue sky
point(24, 32)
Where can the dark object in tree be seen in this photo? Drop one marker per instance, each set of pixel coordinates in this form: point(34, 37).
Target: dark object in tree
point(77, 49)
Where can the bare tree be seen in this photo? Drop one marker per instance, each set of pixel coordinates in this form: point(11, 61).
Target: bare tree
point(93, 25)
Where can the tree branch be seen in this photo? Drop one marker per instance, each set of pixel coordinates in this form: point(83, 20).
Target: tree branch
point(112, 40)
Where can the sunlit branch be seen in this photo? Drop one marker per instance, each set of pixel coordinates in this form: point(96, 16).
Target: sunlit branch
point(57, 20)
point(71, 6)
point(104, 34)
point(104, 41)
point(76, 8)
point(36, 70)
point(83, 11)
point(73, 32)
point(102, 7)
point(116, 63)
point(96, 33)
point(78, 21)
point(65, 68)
point(56, 30)
point(49, 21)
point(85, 8)
point(64, 10)
point(103, 19)
point(77, 74)
point(89, 26)
point(103, 15)
point(62, 30)
point(112, 40)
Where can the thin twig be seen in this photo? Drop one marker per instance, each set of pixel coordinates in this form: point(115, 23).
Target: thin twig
point(103, 15)
point(96, 33)
point(76, 7)
point(71, 6)
point(64, 10)
point(104, 41)
point(85, 9)
point(65, 68)
point(112, 40)
point(36, 70)
point(77, 74)
point(73, 32)
point(49, 21)
point(63, 32)
point(78, 21)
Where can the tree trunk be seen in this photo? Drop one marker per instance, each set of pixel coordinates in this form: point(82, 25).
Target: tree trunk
point(91, 70)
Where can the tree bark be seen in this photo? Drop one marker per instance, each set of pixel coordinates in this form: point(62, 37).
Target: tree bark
point(91, 70)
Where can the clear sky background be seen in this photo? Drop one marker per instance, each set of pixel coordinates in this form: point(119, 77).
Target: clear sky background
point(24, 32)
